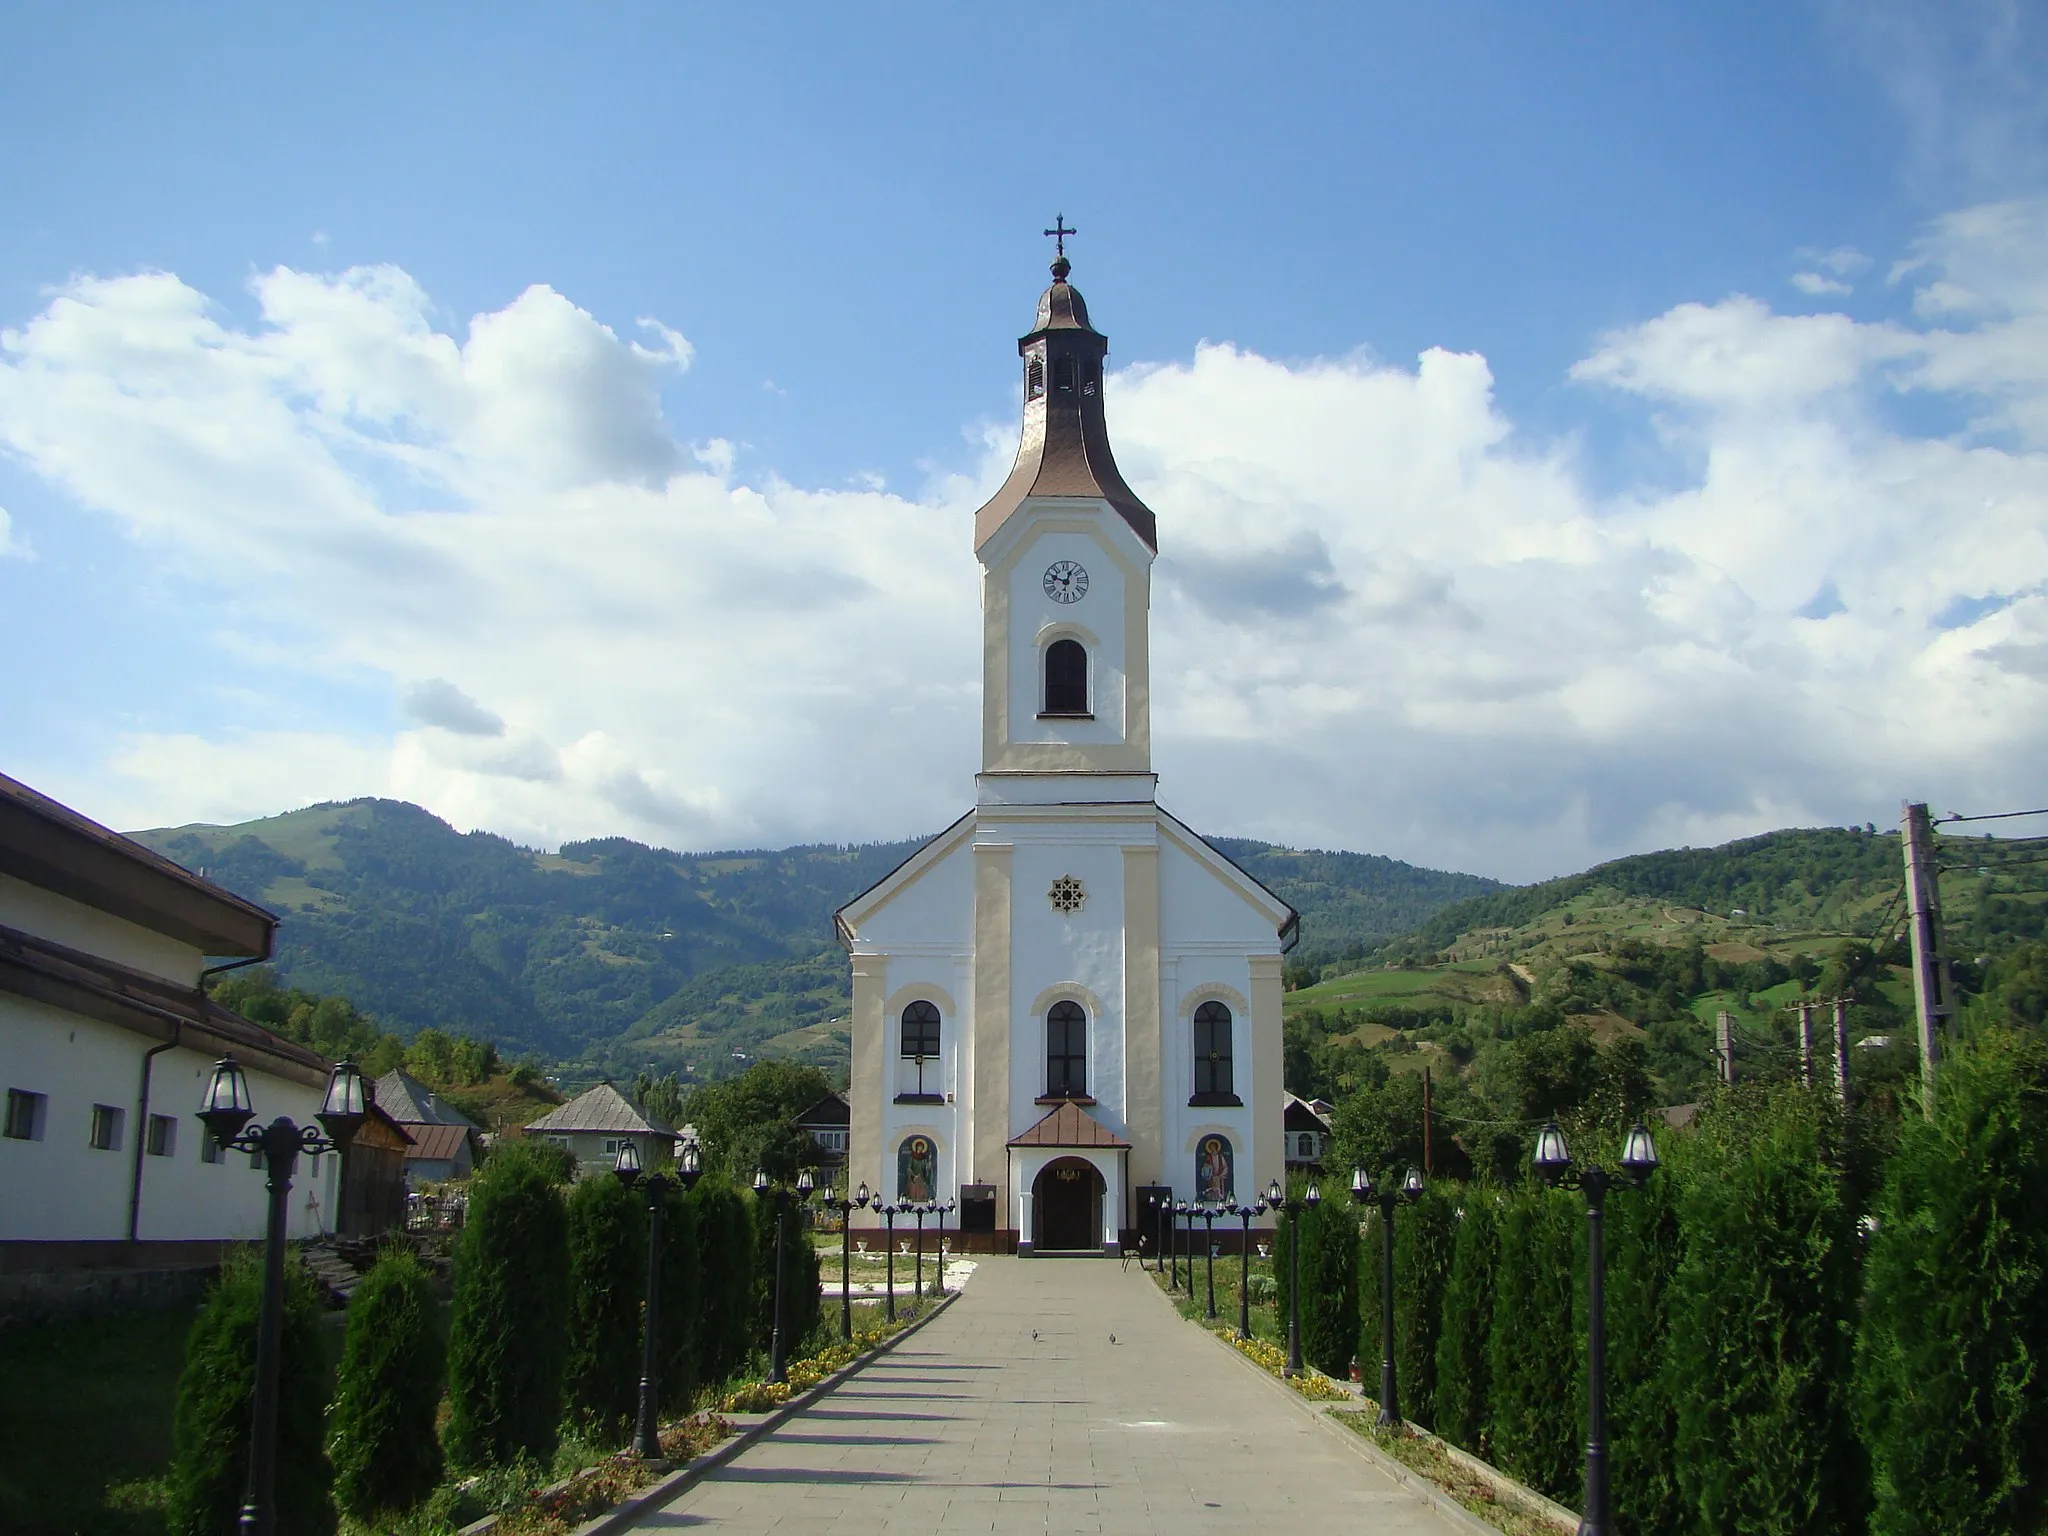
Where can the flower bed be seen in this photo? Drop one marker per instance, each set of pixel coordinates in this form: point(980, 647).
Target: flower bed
point(559, 1509)
point(1310, 1383)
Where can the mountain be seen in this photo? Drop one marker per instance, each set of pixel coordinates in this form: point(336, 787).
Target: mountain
point(622, 957)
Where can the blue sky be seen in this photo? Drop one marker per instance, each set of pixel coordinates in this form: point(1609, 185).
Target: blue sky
point(833, 219)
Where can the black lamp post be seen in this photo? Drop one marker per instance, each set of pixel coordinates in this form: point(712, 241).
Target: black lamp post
point(920, 1210)
point(778, 1369)
point(846, 1207)
point(1278, 1200)
point(227, 1111)
point(889, 1214)
point(1387, 1197)
point(1162, 1219)
point(647, 1428)
point(941, 1211)
point(1209, 1258)
point(1554, 1166)
point(1244, 1214)
point(1184, 1242)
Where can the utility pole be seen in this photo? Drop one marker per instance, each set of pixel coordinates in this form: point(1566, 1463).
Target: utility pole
point(1923, 906)
point(1806, 1043)
point(1724, 1043)
point(1842, 1051)
point(1426, 1167)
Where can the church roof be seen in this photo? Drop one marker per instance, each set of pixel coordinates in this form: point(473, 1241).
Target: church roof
point(1064, 450)
point(603, 1108)
point(1069, 1126)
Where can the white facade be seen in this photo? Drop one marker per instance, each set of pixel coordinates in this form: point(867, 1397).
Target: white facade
point(1066, 888)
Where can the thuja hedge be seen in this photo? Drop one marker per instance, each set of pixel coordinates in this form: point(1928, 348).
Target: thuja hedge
point(381, 1427)
point(210, 1421)
point(1328, 1232)
point(607, 1231)
point(1424, 1234)
point(508, 1329)
point(730, 1278)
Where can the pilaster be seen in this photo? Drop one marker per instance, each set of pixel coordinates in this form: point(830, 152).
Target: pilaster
point(1144, 1021)
point(992, 874)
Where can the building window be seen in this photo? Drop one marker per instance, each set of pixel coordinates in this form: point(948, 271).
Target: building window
point(921, 1029)
point(1066, 678)
point(1305, 1146)
point(611, 1146)
point(1034, 378)
point(25, 1115)
point(1063, 375)
point(1066, 1052)
point(106, 1127)
point(1214, 1076)
point(163, 1136)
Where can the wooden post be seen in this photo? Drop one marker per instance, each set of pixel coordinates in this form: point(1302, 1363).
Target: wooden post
point(1842, 1051)
point(1724, 1043)
point(1427, 1166)
point(1806, 1043)
point(1923, 907)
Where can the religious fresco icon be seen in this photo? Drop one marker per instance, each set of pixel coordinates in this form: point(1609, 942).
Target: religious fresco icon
point(1215, 1172)
point(917, 1169)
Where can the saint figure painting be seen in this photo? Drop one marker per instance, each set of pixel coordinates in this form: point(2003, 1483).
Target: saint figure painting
point(917, 1172)
point(1214, 1180)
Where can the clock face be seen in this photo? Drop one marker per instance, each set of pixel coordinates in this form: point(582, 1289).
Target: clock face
point(1065, 581)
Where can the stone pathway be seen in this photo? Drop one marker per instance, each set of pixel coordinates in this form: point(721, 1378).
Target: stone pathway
point(1015, 1411)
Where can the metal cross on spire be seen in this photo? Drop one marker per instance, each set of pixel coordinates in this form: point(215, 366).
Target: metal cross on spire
point(1059, 233)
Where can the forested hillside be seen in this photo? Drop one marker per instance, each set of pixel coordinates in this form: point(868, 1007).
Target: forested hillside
point(617, 957)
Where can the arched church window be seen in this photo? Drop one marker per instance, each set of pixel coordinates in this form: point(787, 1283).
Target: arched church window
point(1034, 378)
point(1063, 375)
point(1066, 1051)
point(1066, 678)
point(1215, 1170)
point(921, 1029)
point(1215, 1077)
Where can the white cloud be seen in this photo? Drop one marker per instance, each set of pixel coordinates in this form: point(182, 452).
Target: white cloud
point(1384, 619)
point(1817, 285)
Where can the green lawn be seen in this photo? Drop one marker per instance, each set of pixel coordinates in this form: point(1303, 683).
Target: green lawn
point(85, 1423)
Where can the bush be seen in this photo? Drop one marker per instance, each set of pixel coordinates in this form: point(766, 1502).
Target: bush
point(1949, 1370)
point(509, 1326)
point(1464, 1375)
point(1761, 1311)
point(682, 1302)
point(1329, 1283)
point(1642, 1422)
point(725, 1248)
point(1424, 1235)
point(800, 1274)
point(1534, 1353)
point(386, 1455)
point(607, 1235)
point(209, 1470)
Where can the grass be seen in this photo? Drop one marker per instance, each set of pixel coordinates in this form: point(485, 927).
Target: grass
point(1427, 1457)
point(85, 1423)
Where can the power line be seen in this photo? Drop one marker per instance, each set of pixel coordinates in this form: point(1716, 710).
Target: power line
point(1989, 816)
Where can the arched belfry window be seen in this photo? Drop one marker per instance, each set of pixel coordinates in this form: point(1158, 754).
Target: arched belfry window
point(921, 1029)
point(1034, 378)
point(1063, 375)
point(1066, 1051)
point(1066, 678)
point(1215, 1076)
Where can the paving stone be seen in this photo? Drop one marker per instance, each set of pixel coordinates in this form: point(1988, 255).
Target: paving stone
point(974, 1424)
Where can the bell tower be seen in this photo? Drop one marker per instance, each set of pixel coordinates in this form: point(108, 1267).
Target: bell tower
point(1066, 551)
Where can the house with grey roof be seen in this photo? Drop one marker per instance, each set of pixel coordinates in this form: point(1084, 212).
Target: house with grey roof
point(443, 1139)
point(595, 1125)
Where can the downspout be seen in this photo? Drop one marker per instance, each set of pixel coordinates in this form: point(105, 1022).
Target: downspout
point(142, 1127)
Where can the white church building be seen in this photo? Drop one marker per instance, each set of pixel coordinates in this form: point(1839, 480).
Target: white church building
point(1067, 997)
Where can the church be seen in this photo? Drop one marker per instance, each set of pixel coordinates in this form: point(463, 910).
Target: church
point(1066, 1006)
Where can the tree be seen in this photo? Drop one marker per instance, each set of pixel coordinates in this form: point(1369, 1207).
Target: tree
point(1950, 1361)
point(1533, 1354)
point(1328, 1233)
point(386, 1455)
point(1762, 1310)
point(1463, 1371)
point(607, 1281)
point(1642, 1415)
point(724, 1228)
point(683, 1299)
point(749, 1122)
point(509, 1324)
point(210, 1419)
point(1425, 1235)
point(662, 1097)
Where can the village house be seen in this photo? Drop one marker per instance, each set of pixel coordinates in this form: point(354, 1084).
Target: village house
point(595, 1125)
point(442, 1140)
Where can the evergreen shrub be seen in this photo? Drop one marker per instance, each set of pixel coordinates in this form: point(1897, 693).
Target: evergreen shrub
point(682, 1302)
point(1534, 1352)
point(381, 1428)
point(209, 1471)
point(508, 1330)
point(1762, 1308)
point(607, 1227)
point(800, 1274)
point(1424, 1236)
point(1464, 1374)
point(1329, 1283)
point(1952, 1362)
point(725, 1246)
point(1642, 1423)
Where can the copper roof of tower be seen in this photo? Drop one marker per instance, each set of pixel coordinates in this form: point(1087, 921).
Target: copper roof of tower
point(1065, 446)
